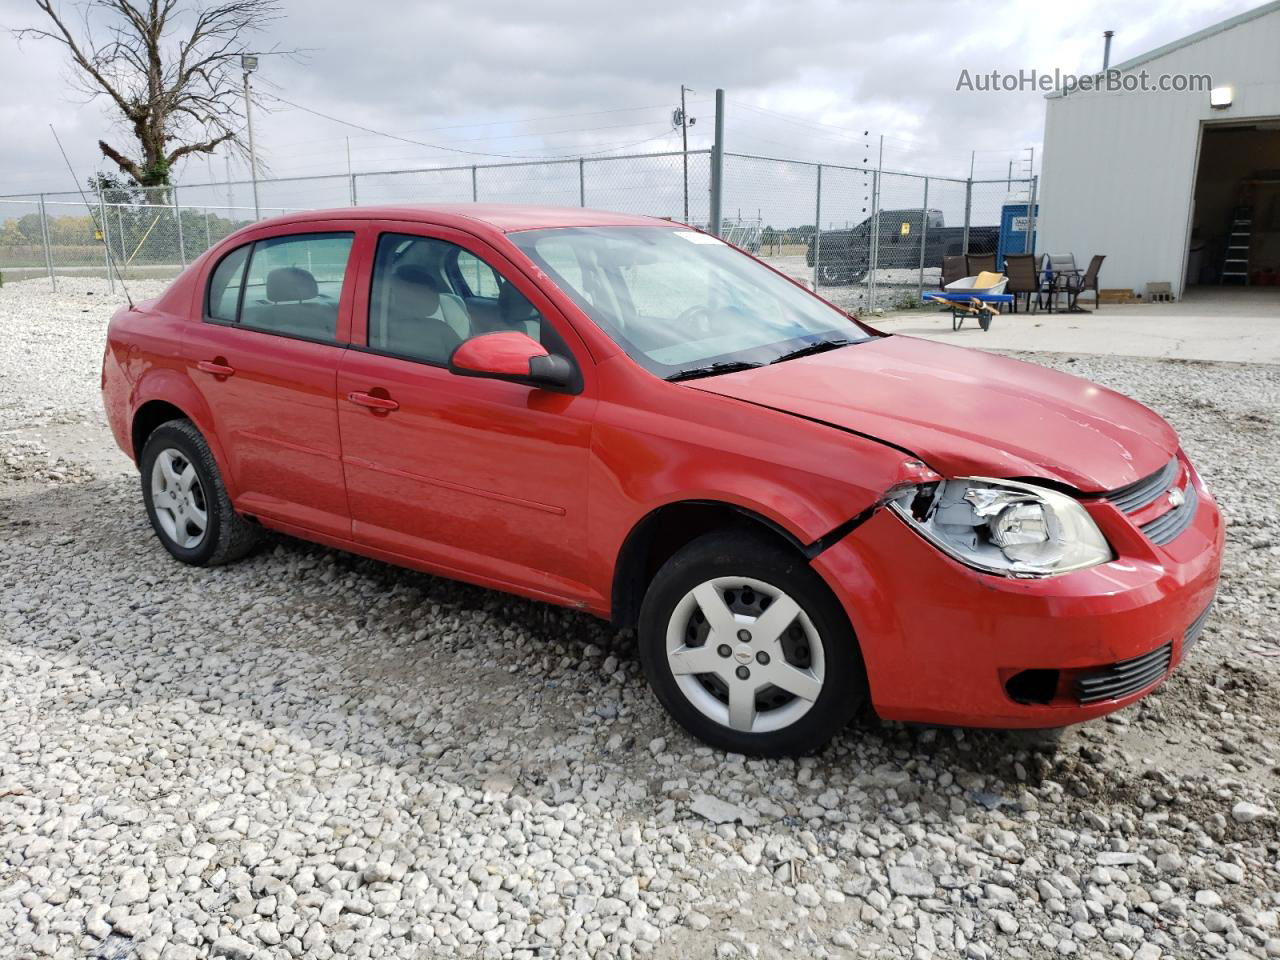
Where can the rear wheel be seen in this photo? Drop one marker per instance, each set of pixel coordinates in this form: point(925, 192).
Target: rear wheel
point(746, 647)
point(186, 500)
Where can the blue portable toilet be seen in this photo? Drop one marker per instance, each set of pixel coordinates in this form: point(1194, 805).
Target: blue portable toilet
point(1013, 231)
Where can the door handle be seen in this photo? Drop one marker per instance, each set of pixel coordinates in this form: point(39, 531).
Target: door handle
point(372, 402)
point(216, 368)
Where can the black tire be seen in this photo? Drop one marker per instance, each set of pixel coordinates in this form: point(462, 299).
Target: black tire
point(747, 555)
point(228, 536)
point(831, 275)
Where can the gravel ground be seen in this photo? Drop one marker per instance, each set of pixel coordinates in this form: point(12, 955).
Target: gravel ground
point(310, 754)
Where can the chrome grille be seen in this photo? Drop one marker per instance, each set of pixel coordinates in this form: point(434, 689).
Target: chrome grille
point(1124, 678)
point(1169, 526)
point(1137, 495)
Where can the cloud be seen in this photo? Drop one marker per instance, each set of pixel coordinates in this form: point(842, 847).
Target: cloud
point(805, 79)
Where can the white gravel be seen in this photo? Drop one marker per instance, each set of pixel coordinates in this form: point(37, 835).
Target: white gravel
point(309, 754)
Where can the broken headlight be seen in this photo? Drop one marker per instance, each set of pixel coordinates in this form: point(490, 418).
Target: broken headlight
point(1003, 526)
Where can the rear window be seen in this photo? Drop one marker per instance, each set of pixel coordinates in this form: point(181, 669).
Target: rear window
point(290, 285)
point(226, 283)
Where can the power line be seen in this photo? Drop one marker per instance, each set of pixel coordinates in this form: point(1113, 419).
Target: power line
point(510, 136)
point(372, 164)
point(802, 122)
point(818, 124)
point(448, 149)
point(497, 123)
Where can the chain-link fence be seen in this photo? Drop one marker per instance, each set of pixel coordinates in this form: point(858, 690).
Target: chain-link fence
point(864, 238)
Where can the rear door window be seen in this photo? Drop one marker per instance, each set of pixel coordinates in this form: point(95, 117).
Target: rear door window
point(291, 285)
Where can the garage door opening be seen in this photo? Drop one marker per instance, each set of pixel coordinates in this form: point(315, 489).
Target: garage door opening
point(1235, 229)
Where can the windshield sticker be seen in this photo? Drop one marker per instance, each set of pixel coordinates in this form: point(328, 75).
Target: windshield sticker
point(693, 237)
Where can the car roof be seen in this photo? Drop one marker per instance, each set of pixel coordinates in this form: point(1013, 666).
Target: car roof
point(505, 217)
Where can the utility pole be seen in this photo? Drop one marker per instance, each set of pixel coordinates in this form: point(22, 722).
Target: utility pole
point(249, 63)
point(680, 118)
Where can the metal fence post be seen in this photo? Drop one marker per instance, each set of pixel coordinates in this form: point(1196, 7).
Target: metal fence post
point(875, 239)
point(44, 235)
point(475, 192)
point(717, 165)
point(1031, 216)
point(817, 230)
point(582, 182)
point(924, 240)
point(968, 210)
point(106, 240)
point(177, 216)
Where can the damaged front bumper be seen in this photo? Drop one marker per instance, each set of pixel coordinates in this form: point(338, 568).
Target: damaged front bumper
point(944, 643)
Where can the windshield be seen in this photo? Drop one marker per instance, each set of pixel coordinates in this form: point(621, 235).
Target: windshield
point(682, 303)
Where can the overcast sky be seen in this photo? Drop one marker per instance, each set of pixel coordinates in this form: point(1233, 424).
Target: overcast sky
point(804, 79)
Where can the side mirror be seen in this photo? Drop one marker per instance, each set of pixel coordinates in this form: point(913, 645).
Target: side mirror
point(511, 356)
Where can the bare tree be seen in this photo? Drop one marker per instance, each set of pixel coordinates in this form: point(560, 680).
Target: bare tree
point(170, 70)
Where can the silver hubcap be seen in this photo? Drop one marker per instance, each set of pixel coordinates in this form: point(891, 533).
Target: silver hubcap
point(178, 499)
point(745, 654)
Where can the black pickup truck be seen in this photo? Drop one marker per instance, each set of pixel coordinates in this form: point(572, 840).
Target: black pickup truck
point(846, 254)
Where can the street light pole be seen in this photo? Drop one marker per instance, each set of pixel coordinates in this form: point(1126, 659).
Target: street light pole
point(249, 63)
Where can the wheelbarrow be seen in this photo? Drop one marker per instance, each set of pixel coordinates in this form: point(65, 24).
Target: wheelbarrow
point(979, 297)
point(980, 306)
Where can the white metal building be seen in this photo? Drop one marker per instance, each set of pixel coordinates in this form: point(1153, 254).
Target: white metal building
point(1160, 182)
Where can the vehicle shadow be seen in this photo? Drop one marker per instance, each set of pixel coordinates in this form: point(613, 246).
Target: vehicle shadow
point(436, 679)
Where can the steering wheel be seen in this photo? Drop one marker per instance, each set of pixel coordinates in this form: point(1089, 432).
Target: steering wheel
point(689, 313)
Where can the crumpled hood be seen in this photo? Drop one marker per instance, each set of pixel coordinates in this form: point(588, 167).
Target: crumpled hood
point(966, 412)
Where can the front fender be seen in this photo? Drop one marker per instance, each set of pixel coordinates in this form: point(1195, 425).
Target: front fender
point(808, 481)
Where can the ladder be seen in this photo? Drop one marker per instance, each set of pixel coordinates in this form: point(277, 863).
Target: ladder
point(1235, 261)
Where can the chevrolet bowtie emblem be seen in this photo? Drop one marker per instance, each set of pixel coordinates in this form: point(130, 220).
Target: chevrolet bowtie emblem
point(1176, 498)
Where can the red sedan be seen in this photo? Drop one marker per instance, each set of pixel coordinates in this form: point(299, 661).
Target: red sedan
point(796, 512)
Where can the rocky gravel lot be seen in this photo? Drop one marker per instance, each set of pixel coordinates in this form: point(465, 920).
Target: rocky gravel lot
point(310, 754)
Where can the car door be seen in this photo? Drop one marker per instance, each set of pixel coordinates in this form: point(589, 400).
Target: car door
point(478, 478)
point(275, 321)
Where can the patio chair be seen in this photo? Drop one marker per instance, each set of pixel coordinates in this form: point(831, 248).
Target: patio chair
point(1020, 268)
point(1058, 272)
point(976, 263)
point(953, 269)
point(1089, 281)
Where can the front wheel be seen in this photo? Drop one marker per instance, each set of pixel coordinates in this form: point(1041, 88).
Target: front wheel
point(830, 274)
point(747, 649)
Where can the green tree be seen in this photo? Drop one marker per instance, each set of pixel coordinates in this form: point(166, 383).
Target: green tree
point(170, 72)
point(29, 227)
